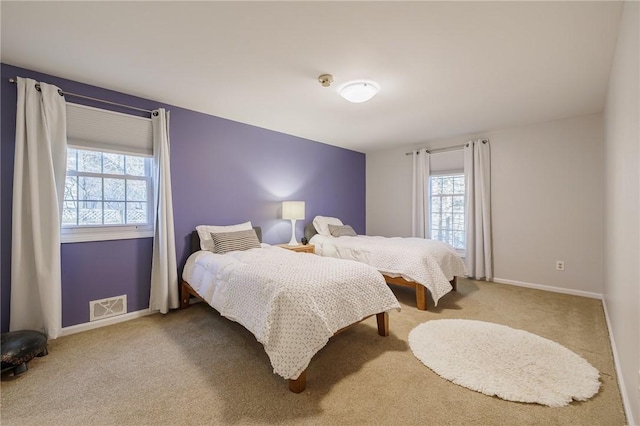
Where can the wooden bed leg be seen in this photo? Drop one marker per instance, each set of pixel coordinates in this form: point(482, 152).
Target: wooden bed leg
point(184, 296)
point(421, 297)
point(383, 323)
point(298, 385)
point(454, 283)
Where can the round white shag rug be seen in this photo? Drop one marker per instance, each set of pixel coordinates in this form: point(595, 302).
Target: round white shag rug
point(511, 364)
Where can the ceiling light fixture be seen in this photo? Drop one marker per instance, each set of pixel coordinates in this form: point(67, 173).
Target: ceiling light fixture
point(355, 91)
point(359, 91)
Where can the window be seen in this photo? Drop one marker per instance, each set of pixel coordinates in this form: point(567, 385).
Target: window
point(447, 209)
point(106, 196)
point(108, 192)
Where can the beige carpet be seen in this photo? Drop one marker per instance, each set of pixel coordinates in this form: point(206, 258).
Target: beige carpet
point(195, 367)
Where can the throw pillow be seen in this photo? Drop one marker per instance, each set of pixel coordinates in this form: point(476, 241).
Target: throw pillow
point(224, 242)
point(342, 231)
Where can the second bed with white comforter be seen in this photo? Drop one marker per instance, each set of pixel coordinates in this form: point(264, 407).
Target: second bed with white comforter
point(430, 263)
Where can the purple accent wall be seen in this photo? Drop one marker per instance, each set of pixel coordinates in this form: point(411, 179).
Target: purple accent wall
point(222, 172)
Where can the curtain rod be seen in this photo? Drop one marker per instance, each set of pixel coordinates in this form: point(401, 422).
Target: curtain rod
point(14, 80)
point(433, 151)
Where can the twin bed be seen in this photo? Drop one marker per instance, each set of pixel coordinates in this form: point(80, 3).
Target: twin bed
point(418, 263)
point(293, 303)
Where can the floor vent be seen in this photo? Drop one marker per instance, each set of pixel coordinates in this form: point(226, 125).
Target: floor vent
point(109, 307)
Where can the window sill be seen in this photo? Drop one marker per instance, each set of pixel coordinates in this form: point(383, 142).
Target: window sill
point(82, 236)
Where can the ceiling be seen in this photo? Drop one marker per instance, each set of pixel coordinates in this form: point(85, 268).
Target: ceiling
point(445, 68)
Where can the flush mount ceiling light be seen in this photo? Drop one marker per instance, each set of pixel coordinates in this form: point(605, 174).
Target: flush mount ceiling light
point(356, 91)
point(359, 90)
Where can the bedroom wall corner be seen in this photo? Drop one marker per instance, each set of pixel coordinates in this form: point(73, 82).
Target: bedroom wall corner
point(622, 208)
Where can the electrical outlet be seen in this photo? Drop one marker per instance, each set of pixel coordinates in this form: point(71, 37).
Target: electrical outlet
point(559, 265)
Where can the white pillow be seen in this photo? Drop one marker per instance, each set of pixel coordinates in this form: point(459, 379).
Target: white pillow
point(204, 232)
point(321, 223)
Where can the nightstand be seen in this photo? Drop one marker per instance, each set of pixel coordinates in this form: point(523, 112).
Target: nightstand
point(309, 248)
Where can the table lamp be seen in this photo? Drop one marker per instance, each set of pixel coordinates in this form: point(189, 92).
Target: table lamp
point(293, 210)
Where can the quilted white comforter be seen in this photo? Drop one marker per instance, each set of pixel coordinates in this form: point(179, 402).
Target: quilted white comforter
point(292, 302)
point(431, 263)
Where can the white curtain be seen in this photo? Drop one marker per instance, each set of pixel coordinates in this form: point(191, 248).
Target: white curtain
point(477, 171)
point(164, 273)
point(38, 191)
point(420, 218)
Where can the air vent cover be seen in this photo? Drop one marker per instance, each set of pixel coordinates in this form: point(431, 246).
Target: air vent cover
point(109, 307)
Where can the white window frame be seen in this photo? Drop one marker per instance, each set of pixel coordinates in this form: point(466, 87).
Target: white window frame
point(102, 232)
point(461, 252)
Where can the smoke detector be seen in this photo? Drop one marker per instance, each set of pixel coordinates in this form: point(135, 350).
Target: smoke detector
point(325, 80)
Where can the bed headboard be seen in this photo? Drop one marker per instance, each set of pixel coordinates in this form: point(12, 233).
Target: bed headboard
point(195, 239)
point(309, 231)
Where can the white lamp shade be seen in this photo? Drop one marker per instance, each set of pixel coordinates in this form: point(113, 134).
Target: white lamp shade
point(359, 91)
point(293, 210)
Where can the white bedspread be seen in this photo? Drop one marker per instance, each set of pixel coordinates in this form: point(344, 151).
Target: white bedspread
point(431, 263)
point(292, 302)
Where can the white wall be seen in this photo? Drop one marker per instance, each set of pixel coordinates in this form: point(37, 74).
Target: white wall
point(622, 212)
point(547, 201)
point(388, 200)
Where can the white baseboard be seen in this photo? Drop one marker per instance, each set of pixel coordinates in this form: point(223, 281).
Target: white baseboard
point(616, 362)
point(78, 328)
point(573, 292)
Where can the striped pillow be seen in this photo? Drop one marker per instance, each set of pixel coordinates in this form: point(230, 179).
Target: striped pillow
point(224, 242)
point(342, 231)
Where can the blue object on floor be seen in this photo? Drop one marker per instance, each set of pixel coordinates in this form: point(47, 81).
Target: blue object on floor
point(20, 347)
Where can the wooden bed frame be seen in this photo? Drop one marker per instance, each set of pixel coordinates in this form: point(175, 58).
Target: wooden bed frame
point(421, 290)
point(295, 385)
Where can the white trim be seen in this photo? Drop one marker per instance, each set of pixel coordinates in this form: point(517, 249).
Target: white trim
point(78, 328)
point(104, 234)
point(616, 361)
point(563, 290)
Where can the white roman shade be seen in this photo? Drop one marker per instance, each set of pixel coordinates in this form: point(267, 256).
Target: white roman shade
point(447, 162)
point(103, 130)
